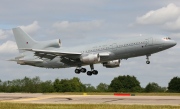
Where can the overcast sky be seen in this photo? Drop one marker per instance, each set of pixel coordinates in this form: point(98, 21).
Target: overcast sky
point(79, 22)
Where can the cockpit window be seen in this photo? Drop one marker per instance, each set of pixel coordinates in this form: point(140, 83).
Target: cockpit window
point(167, 38)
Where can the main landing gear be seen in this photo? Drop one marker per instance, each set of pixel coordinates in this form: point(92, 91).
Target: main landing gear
point(79, 70)
point(147, 57)
point(94, 72)
point(89, 73)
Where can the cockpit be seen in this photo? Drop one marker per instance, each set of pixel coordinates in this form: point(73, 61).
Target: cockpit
point(167, 38)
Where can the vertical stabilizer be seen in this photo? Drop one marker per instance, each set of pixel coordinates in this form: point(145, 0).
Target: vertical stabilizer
point(23, 40)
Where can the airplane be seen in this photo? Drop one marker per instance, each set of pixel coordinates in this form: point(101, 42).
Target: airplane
point(50, 54)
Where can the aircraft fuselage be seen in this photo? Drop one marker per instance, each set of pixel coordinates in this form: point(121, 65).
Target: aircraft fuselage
point(50, 54)
point(122, 49)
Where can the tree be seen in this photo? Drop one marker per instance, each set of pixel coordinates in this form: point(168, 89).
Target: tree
point(31, 85)
point(47, 86)
point(90, 88)
point(76, 85)
point(22, 85)
point(154, 87)
point(56, 85)
point(125, 84)
point(102, 87)
point(66, 85)
point(174, 85)
point(1, 85)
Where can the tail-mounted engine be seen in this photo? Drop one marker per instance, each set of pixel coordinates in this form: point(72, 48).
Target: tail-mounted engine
point(52, 43)
point(90, 58)
point(112, 64)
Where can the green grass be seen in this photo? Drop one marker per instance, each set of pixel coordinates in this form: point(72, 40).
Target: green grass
point(80, 106)
point(157, 94)
point(111, 93)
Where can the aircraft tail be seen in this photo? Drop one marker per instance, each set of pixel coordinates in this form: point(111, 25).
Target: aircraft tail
point(23, 40)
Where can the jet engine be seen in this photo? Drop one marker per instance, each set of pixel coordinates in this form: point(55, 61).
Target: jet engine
point(112, 64)
point(52, 43)
point(90, 58)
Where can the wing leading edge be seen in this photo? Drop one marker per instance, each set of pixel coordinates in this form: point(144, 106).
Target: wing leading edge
point(51, 54)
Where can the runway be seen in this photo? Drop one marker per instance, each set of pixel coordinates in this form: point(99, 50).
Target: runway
point(88, 99)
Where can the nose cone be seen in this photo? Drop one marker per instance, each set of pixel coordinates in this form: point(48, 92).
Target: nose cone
point(170, 43)
point(174, 43)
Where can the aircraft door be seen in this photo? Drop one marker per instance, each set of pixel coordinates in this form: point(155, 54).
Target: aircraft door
point(149, 41)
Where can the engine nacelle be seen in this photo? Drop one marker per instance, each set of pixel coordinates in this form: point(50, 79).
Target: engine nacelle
point(52, 43)
point(90, 58)
point(112, 64)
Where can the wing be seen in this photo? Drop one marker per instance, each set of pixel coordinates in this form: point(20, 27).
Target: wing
point(51, 54)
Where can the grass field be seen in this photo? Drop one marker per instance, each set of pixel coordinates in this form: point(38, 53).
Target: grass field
point(80, 106)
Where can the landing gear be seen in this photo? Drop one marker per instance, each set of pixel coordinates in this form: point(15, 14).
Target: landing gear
point(147, 57)
point(94, 72)
point(78, 70)
point(83, 70)
point(89, 73)
point(147, 62)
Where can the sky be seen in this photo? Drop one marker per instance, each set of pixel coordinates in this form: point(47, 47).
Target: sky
point(80, 22)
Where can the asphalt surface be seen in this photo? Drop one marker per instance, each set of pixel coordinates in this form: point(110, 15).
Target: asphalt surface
point(88, 99)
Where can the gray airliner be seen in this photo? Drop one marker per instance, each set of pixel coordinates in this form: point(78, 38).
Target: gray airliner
point(50, 54)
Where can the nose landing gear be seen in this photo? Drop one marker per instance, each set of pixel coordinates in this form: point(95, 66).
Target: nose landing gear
point(147, 57)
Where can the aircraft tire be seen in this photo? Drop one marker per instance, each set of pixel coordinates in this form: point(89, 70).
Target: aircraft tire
point(77, 71)
point(147, 62)
point(95, 72)
point(89, 73)
point(83, 70)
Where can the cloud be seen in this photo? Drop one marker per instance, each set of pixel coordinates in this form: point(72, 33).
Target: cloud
point(66, 26)
point(8, 47)
point(166, 18)
point(173, 25)
point(165, 14)
point(32, 28)
point(3, 34)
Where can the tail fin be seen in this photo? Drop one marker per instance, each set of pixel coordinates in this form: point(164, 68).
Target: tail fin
point(23, 40)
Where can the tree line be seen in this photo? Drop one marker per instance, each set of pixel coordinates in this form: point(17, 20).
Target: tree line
point(124, 83)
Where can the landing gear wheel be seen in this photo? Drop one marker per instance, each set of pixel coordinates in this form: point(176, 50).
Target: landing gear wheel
point(83, 70)
point(147, 57)
point(77, 71)
point(147, 62)
point(89, 73)
point(95, 72)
